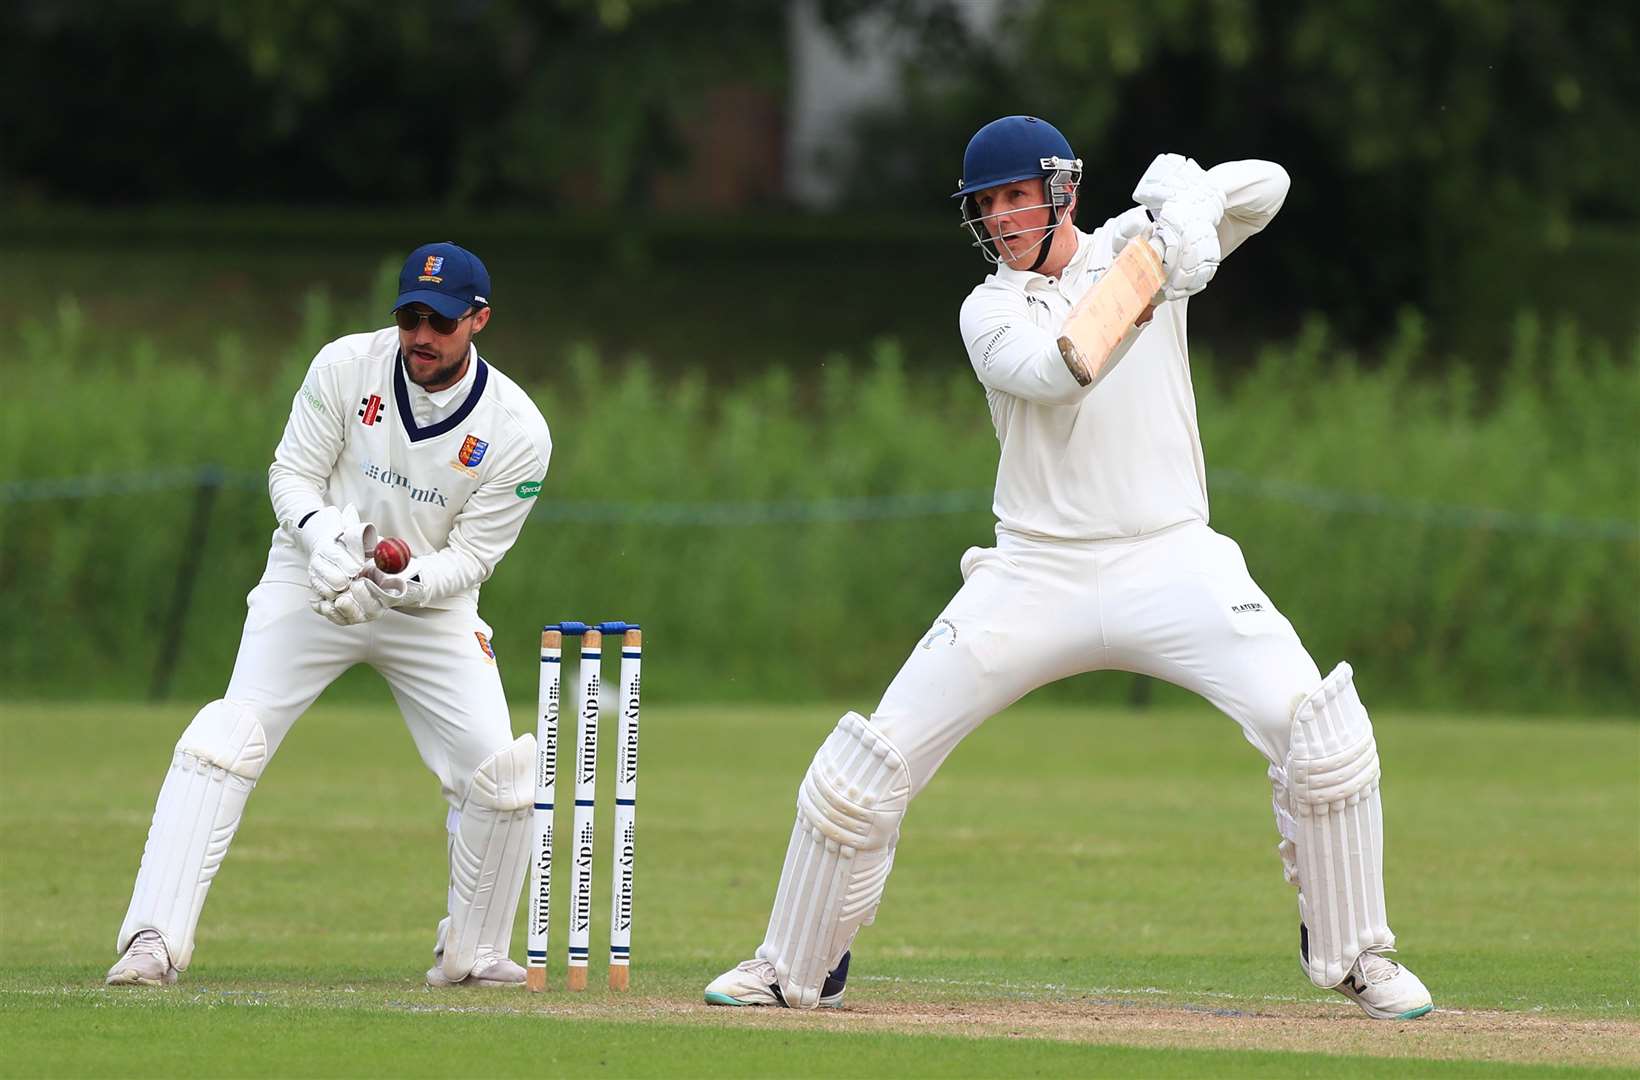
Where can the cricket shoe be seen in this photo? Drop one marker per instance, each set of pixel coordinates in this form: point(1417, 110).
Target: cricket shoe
point(1385, 990)
point(490, 970)
point(146, 962)
point(753, 982)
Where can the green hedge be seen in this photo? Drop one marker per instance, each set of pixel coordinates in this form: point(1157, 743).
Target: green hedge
point(1466, 542)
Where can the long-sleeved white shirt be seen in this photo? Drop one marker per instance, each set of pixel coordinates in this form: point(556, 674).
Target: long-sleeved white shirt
point(453, 473)
point(1124, 457)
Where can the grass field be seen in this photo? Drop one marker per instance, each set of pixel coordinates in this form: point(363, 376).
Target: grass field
point(1078, 892)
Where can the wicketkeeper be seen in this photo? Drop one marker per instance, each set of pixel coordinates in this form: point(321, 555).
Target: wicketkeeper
point(406, 432)
point(1104, 561)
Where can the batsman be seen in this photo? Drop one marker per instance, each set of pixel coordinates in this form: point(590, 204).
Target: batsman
point(1104, 560)
point(408, 431)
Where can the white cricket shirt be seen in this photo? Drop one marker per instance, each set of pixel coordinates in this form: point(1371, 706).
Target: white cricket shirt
point(1121, 459)
point(453, 473)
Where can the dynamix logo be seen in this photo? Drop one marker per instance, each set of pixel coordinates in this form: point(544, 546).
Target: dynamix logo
point(587, 764)
point(432, 496)
point(623, 888)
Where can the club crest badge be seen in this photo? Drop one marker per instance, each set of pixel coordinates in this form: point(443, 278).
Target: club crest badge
point(485, 647)
point(432, 268)
point(470, 454)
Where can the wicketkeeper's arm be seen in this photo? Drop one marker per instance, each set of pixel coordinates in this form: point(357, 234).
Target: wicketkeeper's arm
point(483, 531)
point(299, 477)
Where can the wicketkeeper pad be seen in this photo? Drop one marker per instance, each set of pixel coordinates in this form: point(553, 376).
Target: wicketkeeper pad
point(489, 850)
point(849, 808)
point(216, 764)
point(1338, 823)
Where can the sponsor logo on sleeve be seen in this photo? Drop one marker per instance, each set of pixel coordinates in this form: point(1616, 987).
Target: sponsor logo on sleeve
point(529, 489)
point(370, 409)
point(943, 630)
point(315, 402)
point(991, 343)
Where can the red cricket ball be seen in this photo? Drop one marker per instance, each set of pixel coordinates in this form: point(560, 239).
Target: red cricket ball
point(392, 555)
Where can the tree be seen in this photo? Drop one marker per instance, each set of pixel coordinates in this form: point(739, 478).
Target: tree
point(1429, 141)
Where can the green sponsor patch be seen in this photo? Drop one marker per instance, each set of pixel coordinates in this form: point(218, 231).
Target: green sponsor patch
point(313, 400)
point(529, 489)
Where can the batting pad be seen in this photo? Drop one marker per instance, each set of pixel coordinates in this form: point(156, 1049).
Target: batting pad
point(849, 808)
point(489, 850)
point(215, 766)
point(1332, 780)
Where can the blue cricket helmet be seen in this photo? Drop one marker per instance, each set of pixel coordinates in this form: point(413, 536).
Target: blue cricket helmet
point(1008, 150)
point(1014, 148)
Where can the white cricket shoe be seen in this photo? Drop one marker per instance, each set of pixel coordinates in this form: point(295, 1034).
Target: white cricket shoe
point(146, 963)
point(753, 982)
point(491, 970)
point(1385, 990)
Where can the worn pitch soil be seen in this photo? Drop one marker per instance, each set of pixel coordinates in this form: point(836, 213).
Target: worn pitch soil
point(1444, 1034)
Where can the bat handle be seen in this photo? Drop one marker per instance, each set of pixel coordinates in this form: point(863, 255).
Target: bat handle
point(1074, 360)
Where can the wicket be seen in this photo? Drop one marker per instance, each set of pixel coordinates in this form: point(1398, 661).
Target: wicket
point(588, 709)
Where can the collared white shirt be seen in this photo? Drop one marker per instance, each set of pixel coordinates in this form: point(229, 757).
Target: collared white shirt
point(454, 473)
point(431, 406)
point(1125, 458)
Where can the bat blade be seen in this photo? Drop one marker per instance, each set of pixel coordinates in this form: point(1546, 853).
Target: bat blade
point(1103, 317)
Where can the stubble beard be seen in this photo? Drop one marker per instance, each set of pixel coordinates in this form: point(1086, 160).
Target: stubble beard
point(444, 375)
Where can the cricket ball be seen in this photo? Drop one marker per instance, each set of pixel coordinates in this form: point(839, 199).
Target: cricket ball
point(392, 555)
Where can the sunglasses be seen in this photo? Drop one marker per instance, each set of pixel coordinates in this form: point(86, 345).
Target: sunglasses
point(409, 319)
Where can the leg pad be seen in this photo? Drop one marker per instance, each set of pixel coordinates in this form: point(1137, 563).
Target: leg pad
point(489, 852)
point(216, 764)
point(1331, 780)
point(849, 809)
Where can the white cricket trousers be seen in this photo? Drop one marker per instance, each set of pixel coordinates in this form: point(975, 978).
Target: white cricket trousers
point(1178, 605)
point(442, 673)
point(440, 667)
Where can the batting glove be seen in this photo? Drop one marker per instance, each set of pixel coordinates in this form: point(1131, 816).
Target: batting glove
point(1187, 238)
point(1169, 175)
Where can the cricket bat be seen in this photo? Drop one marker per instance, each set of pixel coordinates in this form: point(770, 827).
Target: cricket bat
point(1104, 316)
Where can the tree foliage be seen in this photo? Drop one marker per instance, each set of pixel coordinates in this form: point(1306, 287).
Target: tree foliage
point(1440, 149)
point(1415, 131)
point(346, 101)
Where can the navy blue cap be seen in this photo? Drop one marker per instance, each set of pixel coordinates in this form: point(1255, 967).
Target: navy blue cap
point(447, 278)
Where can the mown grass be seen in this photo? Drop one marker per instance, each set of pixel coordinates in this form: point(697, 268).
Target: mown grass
point(1063, 855)
point(247, 1038)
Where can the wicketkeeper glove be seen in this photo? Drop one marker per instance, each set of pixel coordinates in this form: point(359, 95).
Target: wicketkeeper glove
point(353, 605)
point(340, 551)
point(340, 548)
point(403, 589)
